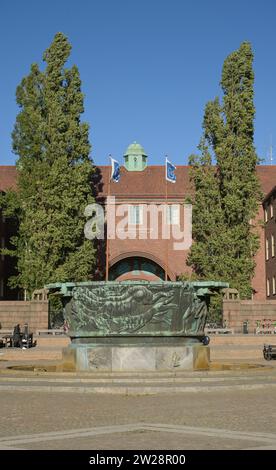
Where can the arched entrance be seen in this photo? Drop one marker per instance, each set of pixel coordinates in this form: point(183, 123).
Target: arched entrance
point(136, 268)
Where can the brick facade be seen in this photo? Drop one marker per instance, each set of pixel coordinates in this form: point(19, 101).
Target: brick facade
point(147, 258)
point(269, 243)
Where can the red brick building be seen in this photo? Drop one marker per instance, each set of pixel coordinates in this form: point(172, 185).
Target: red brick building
point(143, 257)
point(141, 186)
point(269, 206)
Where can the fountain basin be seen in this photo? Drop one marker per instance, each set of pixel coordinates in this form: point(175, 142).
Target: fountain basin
point(137, 325)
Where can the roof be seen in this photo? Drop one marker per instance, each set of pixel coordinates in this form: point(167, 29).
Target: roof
point(147, 183)
point(267, 175)
point(268, 195)
point(7, 177)
point(151, 181)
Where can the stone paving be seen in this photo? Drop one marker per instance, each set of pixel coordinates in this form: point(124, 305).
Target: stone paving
point(220, 420)
point(202, 410)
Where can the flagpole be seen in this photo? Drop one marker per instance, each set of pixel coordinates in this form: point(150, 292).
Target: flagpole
point(107, 239)
point(167, 240)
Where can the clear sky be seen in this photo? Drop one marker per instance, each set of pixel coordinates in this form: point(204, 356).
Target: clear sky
point(147, 67)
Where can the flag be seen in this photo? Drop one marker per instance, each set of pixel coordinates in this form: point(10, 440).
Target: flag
point(170, 169)
point(115, 170)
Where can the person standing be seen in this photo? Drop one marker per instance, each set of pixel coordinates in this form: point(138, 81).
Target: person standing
point(17, 337)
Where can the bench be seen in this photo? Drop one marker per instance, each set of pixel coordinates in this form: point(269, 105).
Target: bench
point(215, 331)
point(8, 341)
point(59, 331)
point(5, 337)
point(269, 351)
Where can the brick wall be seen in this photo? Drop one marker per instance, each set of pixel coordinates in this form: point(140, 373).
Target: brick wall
point(142, 245)
point(270, 230)
point(235, 312)
point(35, 313)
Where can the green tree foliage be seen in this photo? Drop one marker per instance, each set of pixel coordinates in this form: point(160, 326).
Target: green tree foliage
point(54, 174)
point(227, 194)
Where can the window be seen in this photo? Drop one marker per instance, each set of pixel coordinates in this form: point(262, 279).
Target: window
point(266, 215)
point(267, 288)
point(271, 210)
point(266, 250)
point(272, 246)
point(173, 214)
point(135, 215)
point(273, 286)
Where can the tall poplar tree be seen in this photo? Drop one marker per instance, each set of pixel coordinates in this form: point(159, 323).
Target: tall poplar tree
point(54, 174)
point(228, 194)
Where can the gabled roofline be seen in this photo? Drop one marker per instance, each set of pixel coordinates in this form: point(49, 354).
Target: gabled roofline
point(268, 195)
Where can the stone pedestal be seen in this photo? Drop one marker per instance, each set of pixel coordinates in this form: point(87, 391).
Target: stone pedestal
point(136, 325)
point(129, 358)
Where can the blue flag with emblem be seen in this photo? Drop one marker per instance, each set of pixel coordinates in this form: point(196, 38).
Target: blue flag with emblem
point(170, 169)
point(115, 170)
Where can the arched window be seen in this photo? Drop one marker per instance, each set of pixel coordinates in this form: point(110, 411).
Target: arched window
point(137, 267)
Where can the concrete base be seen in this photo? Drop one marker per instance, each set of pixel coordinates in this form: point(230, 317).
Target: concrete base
point(95, 358)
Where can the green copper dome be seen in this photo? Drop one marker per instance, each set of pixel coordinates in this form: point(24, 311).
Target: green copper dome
point(135, 149)
point(135, 157)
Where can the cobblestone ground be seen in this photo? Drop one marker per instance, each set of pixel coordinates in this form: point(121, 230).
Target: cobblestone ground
point(219, 420)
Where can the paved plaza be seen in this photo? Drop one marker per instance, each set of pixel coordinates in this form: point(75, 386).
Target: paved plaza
point(219, 409)
point(233, 410)
point(227, 420)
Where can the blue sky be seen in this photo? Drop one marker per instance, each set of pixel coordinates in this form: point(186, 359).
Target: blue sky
point(147, 67)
